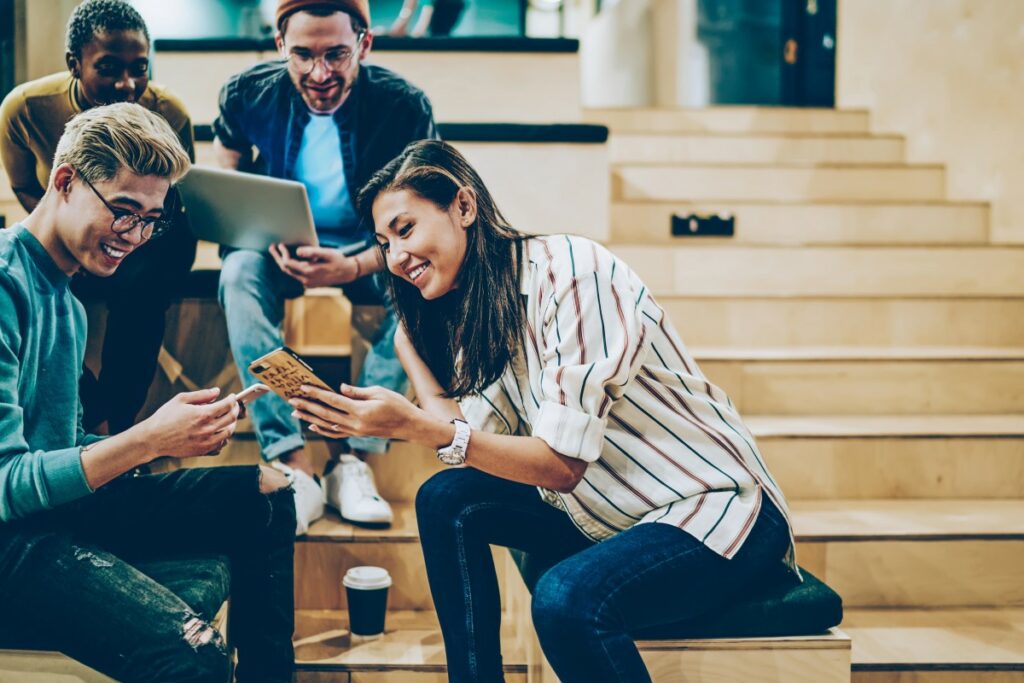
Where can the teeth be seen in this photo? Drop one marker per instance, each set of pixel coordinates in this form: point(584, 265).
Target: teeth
point(413, 274)
point(113, 253)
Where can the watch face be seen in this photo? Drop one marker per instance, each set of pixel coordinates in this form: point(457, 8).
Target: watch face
point(452, 456)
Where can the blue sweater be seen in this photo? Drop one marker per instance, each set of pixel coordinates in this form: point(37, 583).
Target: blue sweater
point(42, 346)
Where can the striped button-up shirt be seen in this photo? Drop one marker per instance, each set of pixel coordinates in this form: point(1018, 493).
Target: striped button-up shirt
point(605, 378)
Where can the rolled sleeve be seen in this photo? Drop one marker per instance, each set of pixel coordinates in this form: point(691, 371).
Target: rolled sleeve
point(572, 433)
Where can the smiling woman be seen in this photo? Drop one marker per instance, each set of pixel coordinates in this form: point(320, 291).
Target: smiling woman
point(544, 362)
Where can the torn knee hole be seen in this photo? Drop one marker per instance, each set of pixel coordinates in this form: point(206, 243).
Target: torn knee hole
point(197, 633)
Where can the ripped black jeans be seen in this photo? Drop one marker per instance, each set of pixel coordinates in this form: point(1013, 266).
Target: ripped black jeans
point(68, 577)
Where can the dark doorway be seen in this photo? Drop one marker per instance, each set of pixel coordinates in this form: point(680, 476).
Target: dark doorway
point(769, 52)
point(6, 47)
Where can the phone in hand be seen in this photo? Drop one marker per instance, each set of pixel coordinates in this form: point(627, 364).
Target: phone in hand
point(247, 396)
point(284, 371)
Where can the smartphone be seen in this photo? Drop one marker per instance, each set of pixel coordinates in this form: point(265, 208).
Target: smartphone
point(284, 372)
point(247, 396)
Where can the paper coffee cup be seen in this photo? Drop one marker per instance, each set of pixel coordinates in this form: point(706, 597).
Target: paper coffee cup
point(367, 591)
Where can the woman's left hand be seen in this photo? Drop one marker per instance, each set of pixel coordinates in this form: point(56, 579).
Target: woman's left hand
point(356, 411)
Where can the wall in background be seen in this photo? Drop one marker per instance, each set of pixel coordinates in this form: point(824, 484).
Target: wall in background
point(948, 74)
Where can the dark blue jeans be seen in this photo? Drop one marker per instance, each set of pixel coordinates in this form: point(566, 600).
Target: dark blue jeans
point(587, 605)
point(68, 577)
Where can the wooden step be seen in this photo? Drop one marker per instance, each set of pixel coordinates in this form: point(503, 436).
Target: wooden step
point(550, 78)
point(568, 189)
point(731, 120)
point(879, 553)
point(811, 321)
point(732, 148)
point(866, 381)
point(898, 457)
point(914, 553)
point(936, 646)
point(860, 223)
point(812, 457)
point(747, 271)
point(411, 649)
point(794, 183)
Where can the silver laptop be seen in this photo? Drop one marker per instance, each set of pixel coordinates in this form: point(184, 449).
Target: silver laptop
point(245, 210)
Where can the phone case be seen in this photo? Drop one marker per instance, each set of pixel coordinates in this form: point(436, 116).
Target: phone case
point(284, 371)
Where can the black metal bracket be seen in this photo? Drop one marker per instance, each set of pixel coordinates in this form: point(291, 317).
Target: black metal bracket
point(696, 225)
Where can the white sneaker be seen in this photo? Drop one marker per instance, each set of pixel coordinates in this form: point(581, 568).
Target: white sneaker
point(309, 496)
point(352, 492)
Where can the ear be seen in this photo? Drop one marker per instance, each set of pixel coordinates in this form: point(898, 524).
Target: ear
point(62, 177)
point(74, 64)
point(465, 204)
point(279, 42)
point(366, 45)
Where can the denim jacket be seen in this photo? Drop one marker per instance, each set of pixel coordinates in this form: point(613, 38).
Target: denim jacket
point(261, 108)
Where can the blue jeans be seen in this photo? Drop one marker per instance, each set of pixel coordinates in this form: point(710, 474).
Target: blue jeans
point(252, 292)
point(597, 594)
point(69, 579)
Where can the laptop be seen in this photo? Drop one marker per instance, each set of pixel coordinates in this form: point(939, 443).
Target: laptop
point(244, 210)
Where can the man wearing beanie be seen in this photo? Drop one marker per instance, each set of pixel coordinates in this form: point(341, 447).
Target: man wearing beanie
point(322, 117)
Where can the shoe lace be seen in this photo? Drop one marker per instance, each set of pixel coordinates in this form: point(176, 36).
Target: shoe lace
point(363, 480)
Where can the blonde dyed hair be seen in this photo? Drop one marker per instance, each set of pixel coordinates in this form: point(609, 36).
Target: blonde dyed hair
point(101, 141)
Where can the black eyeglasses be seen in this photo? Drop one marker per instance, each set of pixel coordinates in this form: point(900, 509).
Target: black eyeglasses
point(126, 221)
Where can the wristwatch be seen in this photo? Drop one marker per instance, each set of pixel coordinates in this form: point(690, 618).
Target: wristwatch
point(455, 453)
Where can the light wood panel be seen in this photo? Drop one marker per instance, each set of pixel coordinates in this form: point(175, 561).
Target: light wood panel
point(478, 86)
point(932, 676)
point(862, 520)
point(778, 183)
point(975, 573)
point(757, 661)
point(691, 148)
point(896, 467)
point(453, 81)
point(411, 643)
point(791, 322)
point(856, 223)
point(548, 188)
point(936, 638)
point(733, 271)
point(870, 387)
point(732, 120)
point(197, 77)
point(21, 666)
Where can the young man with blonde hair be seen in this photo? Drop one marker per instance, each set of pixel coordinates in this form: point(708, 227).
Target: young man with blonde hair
point(74, 523)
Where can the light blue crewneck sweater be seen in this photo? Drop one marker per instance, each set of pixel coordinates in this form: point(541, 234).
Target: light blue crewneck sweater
point(42, 346)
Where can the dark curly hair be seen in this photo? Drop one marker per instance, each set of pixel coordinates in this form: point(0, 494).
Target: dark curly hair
point(98, 16)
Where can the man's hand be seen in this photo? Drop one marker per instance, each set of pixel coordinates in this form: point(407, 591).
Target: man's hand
point(317, 266)
point(192, 424)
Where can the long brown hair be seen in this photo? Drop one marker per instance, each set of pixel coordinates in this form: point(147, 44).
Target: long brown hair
point(468, 336)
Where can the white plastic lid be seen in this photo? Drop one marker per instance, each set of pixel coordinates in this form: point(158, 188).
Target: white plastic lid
point(367, 578)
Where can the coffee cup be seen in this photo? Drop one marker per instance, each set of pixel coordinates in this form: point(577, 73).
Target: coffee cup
point(367, 591)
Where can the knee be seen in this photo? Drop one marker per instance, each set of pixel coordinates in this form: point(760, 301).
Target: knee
point(240, 271)
point(197, 655)
point(563, 603)
point(441, 498)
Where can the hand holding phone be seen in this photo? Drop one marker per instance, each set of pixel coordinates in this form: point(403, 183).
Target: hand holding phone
point(249, 395)
point(284, 372)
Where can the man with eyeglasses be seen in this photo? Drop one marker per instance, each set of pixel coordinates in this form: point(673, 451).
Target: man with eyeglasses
point(108, 61)
point(82, 537)
point(324, 118)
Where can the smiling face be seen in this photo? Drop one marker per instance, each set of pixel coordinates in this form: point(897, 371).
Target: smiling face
point(113, 67)
point(83, 222)
point(324, 39)
point(424, 244)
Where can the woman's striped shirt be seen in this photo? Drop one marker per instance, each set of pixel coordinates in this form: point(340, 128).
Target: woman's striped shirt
point(605, 378)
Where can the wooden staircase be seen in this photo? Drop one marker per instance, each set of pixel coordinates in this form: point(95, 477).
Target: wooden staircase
point(870, 334)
